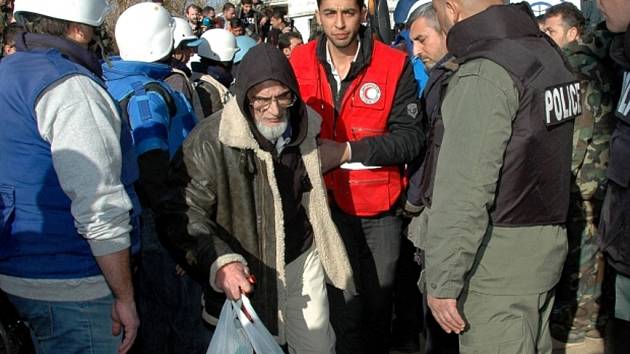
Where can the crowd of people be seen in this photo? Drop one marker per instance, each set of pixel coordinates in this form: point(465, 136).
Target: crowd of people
point(467, 183)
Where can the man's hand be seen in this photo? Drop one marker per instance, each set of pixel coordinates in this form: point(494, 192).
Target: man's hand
point(332, 154)
point(179, 270)
point(125, 319)
point(446, 314)
point(233, 279)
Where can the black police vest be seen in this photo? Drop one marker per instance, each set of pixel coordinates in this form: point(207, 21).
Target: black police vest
point(613, 229)
point(534, 183)
point(619, 162)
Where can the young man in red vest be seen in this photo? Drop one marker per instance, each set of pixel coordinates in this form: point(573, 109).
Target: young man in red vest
point(366, 95)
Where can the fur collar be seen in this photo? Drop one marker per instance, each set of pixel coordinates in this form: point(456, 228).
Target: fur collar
point(234, 130)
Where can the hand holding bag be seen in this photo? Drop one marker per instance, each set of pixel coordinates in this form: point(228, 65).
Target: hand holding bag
point(229, 336)
point(240, 331)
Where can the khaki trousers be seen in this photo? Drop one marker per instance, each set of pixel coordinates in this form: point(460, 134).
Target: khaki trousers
point(308, 328)
point(506, 324)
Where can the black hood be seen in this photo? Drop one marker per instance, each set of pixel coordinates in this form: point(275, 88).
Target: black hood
point(261, 63)
point(265, 62)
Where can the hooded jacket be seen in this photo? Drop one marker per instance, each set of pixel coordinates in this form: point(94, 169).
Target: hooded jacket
point(227, 203)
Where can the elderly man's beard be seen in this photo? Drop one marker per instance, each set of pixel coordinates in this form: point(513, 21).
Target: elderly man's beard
point(272, 133)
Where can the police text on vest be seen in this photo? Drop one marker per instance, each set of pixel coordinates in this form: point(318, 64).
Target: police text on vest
point(562, 102)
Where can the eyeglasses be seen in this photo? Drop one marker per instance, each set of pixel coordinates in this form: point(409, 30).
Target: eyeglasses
point(284, 100)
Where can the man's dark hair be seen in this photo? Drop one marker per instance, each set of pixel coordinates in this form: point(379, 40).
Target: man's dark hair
point(571, 16)
point(192, 6)
point(219, 22)
point(9, 33)
point(36, 23)
point(360, 3)
point(247, 2)
point(236, 23)
point(279, 14)
point(228, 5)
point(284, 40)
point(207, 9)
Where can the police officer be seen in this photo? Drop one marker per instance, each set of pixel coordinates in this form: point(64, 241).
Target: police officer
point(614, 226)
point(576, 310)
point(494, 236)
point(64, 213)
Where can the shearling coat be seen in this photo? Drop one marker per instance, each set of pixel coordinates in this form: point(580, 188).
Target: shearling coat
point(227, 208)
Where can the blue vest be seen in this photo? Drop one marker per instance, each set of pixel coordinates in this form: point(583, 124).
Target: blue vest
point(154, 124)
point(38, 238)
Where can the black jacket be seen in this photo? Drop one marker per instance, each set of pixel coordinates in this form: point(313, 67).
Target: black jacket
point(614, 228)
point(420, 185)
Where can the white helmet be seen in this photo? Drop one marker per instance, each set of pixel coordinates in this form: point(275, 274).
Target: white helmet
point(89, 12)
point(183, 32)
point(144, 32)
point(218, 44)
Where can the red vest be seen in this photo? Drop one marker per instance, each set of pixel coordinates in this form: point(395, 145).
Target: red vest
point(365, 109)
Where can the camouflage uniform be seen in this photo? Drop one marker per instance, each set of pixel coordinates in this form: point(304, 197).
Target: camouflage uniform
point(576, 311)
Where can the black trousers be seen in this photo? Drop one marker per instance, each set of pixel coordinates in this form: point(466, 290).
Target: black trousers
point(362, 323)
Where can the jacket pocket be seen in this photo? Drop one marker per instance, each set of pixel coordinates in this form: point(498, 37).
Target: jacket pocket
point(359, 133)
point(365, 193)
point(505, 336)
point(7, 207)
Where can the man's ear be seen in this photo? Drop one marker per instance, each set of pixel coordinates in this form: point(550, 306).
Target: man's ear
point(286, 52)
point(317, 14)
point(77, 32)
point(572, 34)
point(453, 10)
point(364, 14)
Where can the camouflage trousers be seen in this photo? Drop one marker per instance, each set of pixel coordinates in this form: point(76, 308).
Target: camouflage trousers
point(576, 312)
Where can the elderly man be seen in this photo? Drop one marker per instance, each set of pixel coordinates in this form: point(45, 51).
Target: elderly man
point(614, 231)
point(576, 310)
point(250, 203)
point(494, 235)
